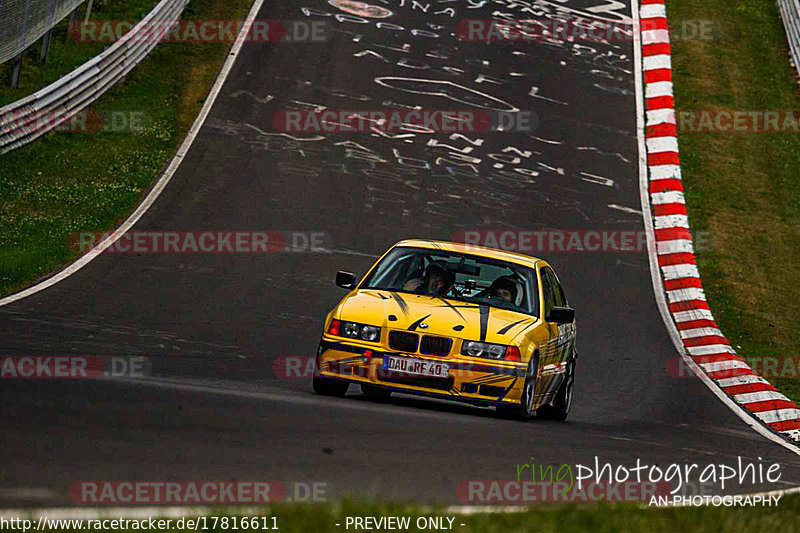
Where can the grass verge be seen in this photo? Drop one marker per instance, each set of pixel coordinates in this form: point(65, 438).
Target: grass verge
point(744, 188)
point(70, 182)
point(574, 518)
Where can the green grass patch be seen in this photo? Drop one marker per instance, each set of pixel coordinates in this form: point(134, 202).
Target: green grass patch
point(574, 518)
point(744, 188)
point(75, 182)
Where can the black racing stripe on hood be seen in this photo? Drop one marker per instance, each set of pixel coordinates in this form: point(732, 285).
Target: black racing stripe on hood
point(507, 328)
point(400, 302)
point(453, 307)
point(484, 309)
point(416, 324)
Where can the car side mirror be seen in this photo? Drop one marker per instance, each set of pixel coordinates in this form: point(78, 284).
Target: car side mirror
point(561, 315)
point(345, 280)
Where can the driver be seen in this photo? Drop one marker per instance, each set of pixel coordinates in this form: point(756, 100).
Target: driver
point(503, 288)
point(437, 281)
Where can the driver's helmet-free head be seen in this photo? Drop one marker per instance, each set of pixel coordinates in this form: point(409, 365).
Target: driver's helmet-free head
point(448, 278)
point(504, 282)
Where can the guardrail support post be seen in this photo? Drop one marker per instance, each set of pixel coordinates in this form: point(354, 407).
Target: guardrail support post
point(73, 22)
point(15, 71)
point(46, 45)
point(88, 11)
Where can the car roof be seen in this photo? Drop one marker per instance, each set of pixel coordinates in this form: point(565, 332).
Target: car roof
point(473, 249)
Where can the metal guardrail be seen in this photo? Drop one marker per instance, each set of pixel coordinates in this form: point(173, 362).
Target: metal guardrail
point(790, 13)
point(25, 21)
point(31, 117)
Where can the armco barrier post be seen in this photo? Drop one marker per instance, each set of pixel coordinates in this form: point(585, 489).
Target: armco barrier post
point(73, 21)
point(88, 11)
point(46, 45)
point(15, 71)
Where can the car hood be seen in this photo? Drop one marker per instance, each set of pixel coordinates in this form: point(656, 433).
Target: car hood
point(442, 316)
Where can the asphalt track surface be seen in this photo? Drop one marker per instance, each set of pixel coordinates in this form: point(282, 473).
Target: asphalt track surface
point(214, 324)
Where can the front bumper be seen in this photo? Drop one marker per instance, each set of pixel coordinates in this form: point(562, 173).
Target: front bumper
point(472, 380)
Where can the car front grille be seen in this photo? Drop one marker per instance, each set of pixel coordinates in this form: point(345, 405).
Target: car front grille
point(444, 384)
point(403, 341)
point(435, 345)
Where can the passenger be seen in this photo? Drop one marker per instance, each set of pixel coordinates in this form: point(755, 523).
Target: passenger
point(503, 288)
point(437, 281)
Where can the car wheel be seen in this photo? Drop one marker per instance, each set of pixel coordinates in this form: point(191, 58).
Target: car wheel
point(524, 409)
point(563, 400)
point(375, 393)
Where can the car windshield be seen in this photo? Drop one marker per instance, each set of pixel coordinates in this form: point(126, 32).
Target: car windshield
point(457, 276)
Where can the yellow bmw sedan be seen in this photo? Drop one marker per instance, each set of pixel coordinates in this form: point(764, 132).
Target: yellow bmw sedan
point(454, 321)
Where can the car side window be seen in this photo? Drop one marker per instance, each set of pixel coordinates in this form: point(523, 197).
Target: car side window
point(533, 293)
point(558, 292)
point(548, 295)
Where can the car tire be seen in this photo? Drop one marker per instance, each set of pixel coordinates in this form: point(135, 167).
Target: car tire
point(524, 409)
point(374, 392)
point(559, 409)
point(329, 387)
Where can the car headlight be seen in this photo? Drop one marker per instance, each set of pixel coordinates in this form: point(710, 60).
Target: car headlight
point(483, 349)
point(370, 333)
point(350, 329)
point(355, 330)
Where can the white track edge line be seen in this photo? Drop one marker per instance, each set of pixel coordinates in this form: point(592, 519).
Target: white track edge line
point(162, 182)
point(658, 287)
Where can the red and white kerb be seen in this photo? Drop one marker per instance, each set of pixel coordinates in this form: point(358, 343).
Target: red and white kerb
point(701, 336)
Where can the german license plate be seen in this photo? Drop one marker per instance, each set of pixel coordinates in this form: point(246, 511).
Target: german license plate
point(416, 367)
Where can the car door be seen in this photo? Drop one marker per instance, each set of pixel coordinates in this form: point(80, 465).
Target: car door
point(549, 355)
point(562, 335)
